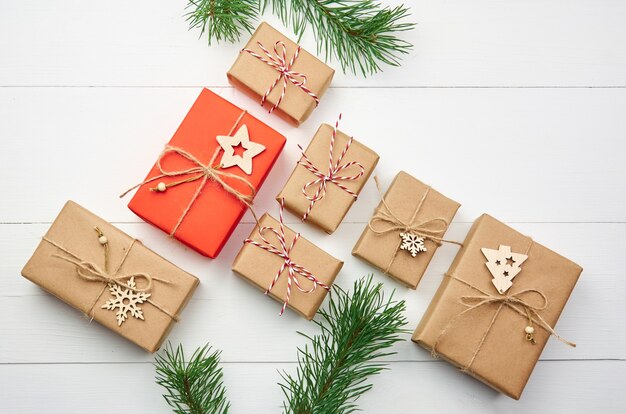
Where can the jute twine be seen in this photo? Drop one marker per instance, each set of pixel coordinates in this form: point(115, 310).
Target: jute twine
point(519, 302)
point(204, 173)
point(91, 272)
point(386, 221)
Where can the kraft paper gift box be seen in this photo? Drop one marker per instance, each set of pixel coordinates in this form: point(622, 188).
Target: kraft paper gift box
point(260, 267)
point(327, 204)
point(81, 251)
point(494, 334)
point(201, 213)
point(256, 72)
point(413, 203)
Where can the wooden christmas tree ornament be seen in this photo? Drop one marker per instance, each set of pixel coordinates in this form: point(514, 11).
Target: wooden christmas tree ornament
point(503, 265)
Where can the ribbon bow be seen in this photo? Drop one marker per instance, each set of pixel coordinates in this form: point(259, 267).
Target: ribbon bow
point(284, 251)
point(278, 61)
point(201, 172)
point(332, 176)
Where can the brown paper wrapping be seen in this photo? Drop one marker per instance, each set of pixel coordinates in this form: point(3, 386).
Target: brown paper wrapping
point(254, 77)
point(381, 250)
point(506, 359)
point(73, 229)
point(259, 267)
point(328, 212)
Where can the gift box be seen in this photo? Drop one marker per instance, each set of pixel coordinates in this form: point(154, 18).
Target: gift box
point(208, 174)
point(288, 267)
point(110, 277)
point(281, 75)
point(497, 306)
point(322, 190)
point(407, 227)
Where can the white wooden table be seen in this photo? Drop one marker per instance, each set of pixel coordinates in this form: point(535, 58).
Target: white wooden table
point(513, 108)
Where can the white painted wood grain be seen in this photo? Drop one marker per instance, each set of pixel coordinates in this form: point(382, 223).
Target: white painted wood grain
point(556, 387)
point(223, 300)
point(520, 139)
point(457, 43)
point(542, 155)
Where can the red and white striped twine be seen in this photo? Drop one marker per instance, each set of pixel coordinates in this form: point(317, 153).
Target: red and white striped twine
point(283, 252)
point(332, 176)
point(279, 62)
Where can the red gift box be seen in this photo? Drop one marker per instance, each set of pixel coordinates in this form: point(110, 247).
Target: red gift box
point(179, 198)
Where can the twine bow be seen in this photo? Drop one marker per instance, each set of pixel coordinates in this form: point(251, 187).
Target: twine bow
point(91, 272)
point(332, 176)
point(203, 172)
point(514, 301)
point(386, 221)
point(278, 61)
point(283, 251)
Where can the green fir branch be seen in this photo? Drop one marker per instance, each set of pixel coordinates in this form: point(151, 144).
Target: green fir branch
point(333, 369)
point(360, 34)
point(222, 19)
point(194, 387)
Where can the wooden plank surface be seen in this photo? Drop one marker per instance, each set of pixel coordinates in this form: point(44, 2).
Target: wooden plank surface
point(511, 108)
point(457, 43)
point(430, 387)
point(223, 300)
point(523, 155)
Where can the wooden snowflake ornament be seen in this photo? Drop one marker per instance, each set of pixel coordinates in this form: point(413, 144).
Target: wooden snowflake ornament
point(504, 265)
point(126, 301)
point(412, 243)
point(241, 138)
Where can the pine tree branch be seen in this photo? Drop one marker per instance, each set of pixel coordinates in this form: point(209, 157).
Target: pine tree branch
point(333, 369)
point(194, 387)
point(222, 19)
point(360, 34)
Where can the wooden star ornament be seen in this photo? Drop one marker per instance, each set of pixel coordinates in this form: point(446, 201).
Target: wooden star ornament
point(228, 144)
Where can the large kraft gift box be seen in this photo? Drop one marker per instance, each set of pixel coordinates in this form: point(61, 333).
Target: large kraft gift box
point(72, 247)
point(407, 197)
point(256, 77)
point(259, 267)
point(328, 211)
point(215, 213)
point(488, 334)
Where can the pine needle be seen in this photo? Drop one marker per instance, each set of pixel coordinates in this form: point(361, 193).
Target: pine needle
point(194, 387)
point(222, 19)
point(360, 34)
point(333, 369)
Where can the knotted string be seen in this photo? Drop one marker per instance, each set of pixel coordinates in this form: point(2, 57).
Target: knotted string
point(278, 61)
point(514, 301)
point(332, 176)
point(203, 172)
point(284, 251)
point(91, 272)
point(386, 221)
